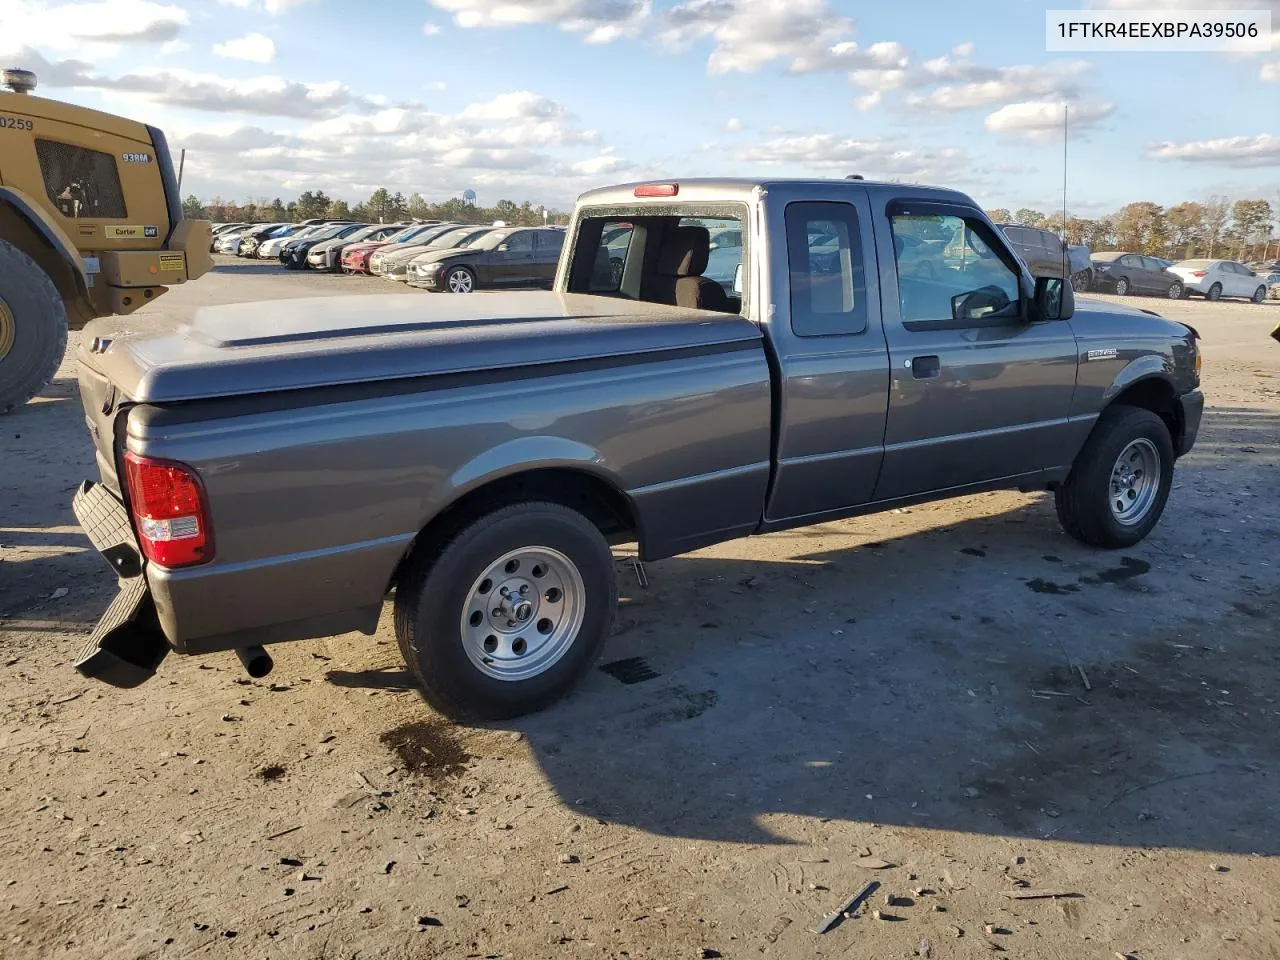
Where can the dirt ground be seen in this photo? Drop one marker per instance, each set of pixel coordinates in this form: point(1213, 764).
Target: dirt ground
point(956, 702)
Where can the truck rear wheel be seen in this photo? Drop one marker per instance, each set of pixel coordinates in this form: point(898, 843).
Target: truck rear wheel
point(33, 328)
point(1119, 485)
point(505, 617)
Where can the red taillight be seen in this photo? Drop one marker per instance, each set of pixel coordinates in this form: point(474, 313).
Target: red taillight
point(169, 511)
point(1198, 273)
point(657, 190)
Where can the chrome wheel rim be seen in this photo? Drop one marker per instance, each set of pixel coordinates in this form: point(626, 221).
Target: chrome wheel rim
point(1122, 287)
point(460, 281)
point(8, 329)
point(1135, 481)
point(523, 613)
point(1175, 291)
point(1215, 292)
point(1260, 294)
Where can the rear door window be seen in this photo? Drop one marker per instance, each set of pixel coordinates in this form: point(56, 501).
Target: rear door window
point(824, 255)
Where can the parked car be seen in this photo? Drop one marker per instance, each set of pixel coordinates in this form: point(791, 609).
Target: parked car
point(1214, 279)
point(476, 456)
point(327, 254)
point(392, 263)
point(252, 239)
point(294, 253)
point(218, 230)
point(500, 258)
point(355, 256)
point(230, 241)
point(270, 249)
point(1043, 252)
point(1124, 273)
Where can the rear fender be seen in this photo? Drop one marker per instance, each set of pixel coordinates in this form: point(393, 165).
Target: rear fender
point(519, 456)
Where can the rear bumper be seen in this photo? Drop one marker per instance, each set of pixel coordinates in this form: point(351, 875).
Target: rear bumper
point(1191, 408)
point(128, 644)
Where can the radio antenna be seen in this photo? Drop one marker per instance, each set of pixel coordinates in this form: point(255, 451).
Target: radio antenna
point(1065, 110)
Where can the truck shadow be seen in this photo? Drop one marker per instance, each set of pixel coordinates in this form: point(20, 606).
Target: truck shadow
point(986, 676)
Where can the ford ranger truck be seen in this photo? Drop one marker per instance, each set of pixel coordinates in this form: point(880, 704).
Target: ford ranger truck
point(717, 359)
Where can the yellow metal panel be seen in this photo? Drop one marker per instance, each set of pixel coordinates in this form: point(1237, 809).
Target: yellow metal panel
point(142, 268)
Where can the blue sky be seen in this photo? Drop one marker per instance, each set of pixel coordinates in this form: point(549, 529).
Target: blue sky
point(542, 99)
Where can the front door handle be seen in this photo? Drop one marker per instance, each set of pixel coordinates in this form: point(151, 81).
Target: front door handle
point(925, 368)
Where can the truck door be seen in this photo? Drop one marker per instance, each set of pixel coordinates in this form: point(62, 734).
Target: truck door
point(829, 352)
point(977, 392)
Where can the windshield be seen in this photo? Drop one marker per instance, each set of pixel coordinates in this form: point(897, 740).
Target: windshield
point(487, 239)
point(403, 235)
point(1106, 257)
point(364, 232)
point(456, 237)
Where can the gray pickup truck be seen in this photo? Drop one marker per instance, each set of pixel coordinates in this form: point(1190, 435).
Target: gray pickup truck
point(275, 471)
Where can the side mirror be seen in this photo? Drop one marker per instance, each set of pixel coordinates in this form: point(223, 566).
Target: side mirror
point(504, 248)
point(1055, 299)
point(737, 279)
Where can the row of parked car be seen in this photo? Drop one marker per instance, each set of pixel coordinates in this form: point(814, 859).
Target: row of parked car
point(431, 254)
point(1122, 273)
point(460, 258)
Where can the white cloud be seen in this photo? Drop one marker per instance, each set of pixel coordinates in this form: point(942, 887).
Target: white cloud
point(747, 34)
point(174, 46)
point(603, 21)
point(868, 101)
point(255, 47)
point(990, 86)
point(733, 125)
point(1041, 120)
point(1270, 71)
point(875, 159)
point(89, 29)
point(1262, 150)
point(522, 143)
point(273, 7)
point(605, 163)
point(268, 96)
point(430, 30)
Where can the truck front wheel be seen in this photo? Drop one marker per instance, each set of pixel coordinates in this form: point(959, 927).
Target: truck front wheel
point(1119, 484)
point(505, 617)
point(33, 328)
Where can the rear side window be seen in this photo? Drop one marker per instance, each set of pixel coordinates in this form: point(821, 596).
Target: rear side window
point(611, 256)
point(80, 182)
point(550, 241)
point(824, 256)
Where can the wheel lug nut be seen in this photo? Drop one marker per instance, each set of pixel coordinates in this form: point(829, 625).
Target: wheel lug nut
point(524, 590)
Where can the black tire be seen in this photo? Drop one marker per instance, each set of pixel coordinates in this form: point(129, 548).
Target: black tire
point(1176, 291)
point(433, 592)
point(1215, 292)
point(1259, 295)
point(1083, 499)
point(461, 273)
point(1122, 286)
point(33, 328)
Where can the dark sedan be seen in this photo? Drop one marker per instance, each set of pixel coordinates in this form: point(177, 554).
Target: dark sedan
point(294, 253)
point(500, 258)
point(1124, 273)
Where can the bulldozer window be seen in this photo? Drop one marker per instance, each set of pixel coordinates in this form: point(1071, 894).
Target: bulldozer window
point(80, 183)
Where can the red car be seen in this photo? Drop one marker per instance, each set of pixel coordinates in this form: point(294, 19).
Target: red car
point(355, 256)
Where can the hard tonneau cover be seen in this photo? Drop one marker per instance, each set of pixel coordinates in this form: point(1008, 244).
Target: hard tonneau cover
point(253, 348)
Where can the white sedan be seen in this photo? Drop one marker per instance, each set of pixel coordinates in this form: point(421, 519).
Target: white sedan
point(1214, 279)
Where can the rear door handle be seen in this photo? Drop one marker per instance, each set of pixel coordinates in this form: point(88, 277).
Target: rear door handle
point(925, 368)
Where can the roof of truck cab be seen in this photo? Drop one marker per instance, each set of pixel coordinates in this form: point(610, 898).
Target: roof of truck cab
point(704, 189)
point(30, 105)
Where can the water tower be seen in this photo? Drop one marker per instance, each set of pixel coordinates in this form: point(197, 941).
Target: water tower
point(469, 197)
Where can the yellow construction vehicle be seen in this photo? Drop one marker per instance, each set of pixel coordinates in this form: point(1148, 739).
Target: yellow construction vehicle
point(90, 224)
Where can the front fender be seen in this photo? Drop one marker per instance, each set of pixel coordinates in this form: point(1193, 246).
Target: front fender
point(50, 232)
point(1148, 367)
